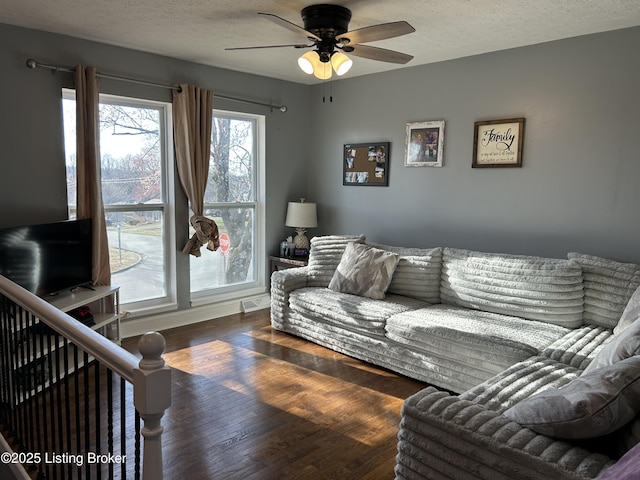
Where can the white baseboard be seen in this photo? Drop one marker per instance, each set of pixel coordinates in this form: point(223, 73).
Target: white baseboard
point(180, 318)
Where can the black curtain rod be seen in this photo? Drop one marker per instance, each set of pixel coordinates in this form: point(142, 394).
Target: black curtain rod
point(33, 64)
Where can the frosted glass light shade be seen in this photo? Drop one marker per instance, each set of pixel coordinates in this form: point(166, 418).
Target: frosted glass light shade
point(341, 63)
point(308, 61)
point(323, 71)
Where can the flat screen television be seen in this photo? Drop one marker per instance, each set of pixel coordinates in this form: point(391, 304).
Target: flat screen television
point(48, 258)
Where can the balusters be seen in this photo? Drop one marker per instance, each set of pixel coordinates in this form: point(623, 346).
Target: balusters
point(67, 403)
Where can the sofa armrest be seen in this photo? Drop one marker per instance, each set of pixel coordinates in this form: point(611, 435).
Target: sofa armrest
point(442, 436)
point(283, 282)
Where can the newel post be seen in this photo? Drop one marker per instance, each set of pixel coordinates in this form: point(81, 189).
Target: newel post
point(151, 397)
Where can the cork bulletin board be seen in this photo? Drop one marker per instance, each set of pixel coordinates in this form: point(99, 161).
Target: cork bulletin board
point(366, 164)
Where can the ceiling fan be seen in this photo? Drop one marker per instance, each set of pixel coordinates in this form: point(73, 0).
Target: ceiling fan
point(326, 28)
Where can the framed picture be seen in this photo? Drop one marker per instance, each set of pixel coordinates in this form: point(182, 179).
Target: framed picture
point(498, 143)
point(366, 164)
point(424, 144)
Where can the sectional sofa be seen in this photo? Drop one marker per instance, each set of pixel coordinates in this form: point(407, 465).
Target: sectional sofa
point(530, 361)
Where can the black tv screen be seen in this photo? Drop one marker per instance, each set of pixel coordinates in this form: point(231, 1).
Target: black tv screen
point(48, 258)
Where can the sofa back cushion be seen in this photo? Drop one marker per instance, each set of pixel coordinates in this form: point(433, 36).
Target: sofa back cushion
point(418, 272)
point(536, 288)
point(608, 286)
point(325, 255)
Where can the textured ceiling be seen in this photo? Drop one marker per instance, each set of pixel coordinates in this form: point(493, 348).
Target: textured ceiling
point(200, 30)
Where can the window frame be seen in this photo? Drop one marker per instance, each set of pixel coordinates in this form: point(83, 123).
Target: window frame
point(258, 284)
point(166, 207)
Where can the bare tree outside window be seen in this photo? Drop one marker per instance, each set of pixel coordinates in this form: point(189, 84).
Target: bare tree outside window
point(230, 199)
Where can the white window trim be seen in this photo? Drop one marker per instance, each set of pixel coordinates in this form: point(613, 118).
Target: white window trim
point(169, 301)
point(258, 286)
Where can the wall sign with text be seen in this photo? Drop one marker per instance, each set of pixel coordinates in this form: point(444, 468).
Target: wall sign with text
point(498, 143)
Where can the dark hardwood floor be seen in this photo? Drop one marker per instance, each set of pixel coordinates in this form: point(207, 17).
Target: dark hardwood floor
point(252, 403)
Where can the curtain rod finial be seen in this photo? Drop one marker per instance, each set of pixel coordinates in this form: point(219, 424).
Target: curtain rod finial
point(31, 63)
point(283, 109)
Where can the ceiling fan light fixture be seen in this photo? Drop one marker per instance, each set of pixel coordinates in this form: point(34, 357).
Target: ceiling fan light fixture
point(341, 63)
point(326, 26)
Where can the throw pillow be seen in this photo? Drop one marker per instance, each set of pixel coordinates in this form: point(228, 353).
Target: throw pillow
point(627, 468)
point(589, 406)
point(624, 344)
point(608, 285)
point(630, 314)
point(364, 271)
point(324, 257)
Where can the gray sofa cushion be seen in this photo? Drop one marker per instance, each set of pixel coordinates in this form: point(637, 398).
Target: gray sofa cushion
point(579, 346)
point(418, 272)
point(589, 406)
point(473, 339)
point(364, 270)
point(520, 381)
point(608, 287)
point(545, 289)
point(349, 311)
point(325, 255)
point(444, 437)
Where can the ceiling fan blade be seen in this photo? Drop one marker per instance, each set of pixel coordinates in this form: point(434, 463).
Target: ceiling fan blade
point(376, 32)
point(294, 45)
point(379, 54)
point(289, 25)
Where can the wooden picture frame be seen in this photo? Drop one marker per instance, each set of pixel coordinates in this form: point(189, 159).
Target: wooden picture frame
point(424, 145)
point(366, 164)
point(498, 143)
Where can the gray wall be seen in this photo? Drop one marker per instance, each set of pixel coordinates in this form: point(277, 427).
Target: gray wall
point(578, 187)
point(32, 165)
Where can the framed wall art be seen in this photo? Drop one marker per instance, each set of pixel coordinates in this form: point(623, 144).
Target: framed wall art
point(498, 143)
point(424, 144)
point(366, 164)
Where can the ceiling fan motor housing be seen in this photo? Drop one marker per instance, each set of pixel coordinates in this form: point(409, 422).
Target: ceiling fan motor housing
point(327, 22)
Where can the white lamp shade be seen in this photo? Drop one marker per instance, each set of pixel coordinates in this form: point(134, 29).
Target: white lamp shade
point(341, 63)
point(301, 215)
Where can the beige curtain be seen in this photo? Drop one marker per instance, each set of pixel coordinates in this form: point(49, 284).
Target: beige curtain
point(89, 195)
point(192, 117)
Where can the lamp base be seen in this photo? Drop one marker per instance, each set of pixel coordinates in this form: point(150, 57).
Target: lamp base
point(301, 240)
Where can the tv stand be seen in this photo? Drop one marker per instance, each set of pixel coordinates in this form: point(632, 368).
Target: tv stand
point(87, 286)
point(104, 303)
point(40, 351)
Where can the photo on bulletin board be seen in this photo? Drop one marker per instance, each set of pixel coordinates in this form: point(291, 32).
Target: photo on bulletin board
point(366, 164)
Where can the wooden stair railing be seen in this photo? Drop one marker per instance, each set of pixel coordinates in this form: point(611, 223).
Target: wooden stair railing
point(41, 407)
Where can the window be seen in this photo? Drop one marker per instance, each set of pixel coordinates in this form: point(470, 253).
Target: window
point(233, 198)
point(136, 182)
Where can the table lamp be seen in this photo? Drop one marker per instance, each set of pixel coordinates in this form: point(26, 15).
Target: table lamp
point(301, 215)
